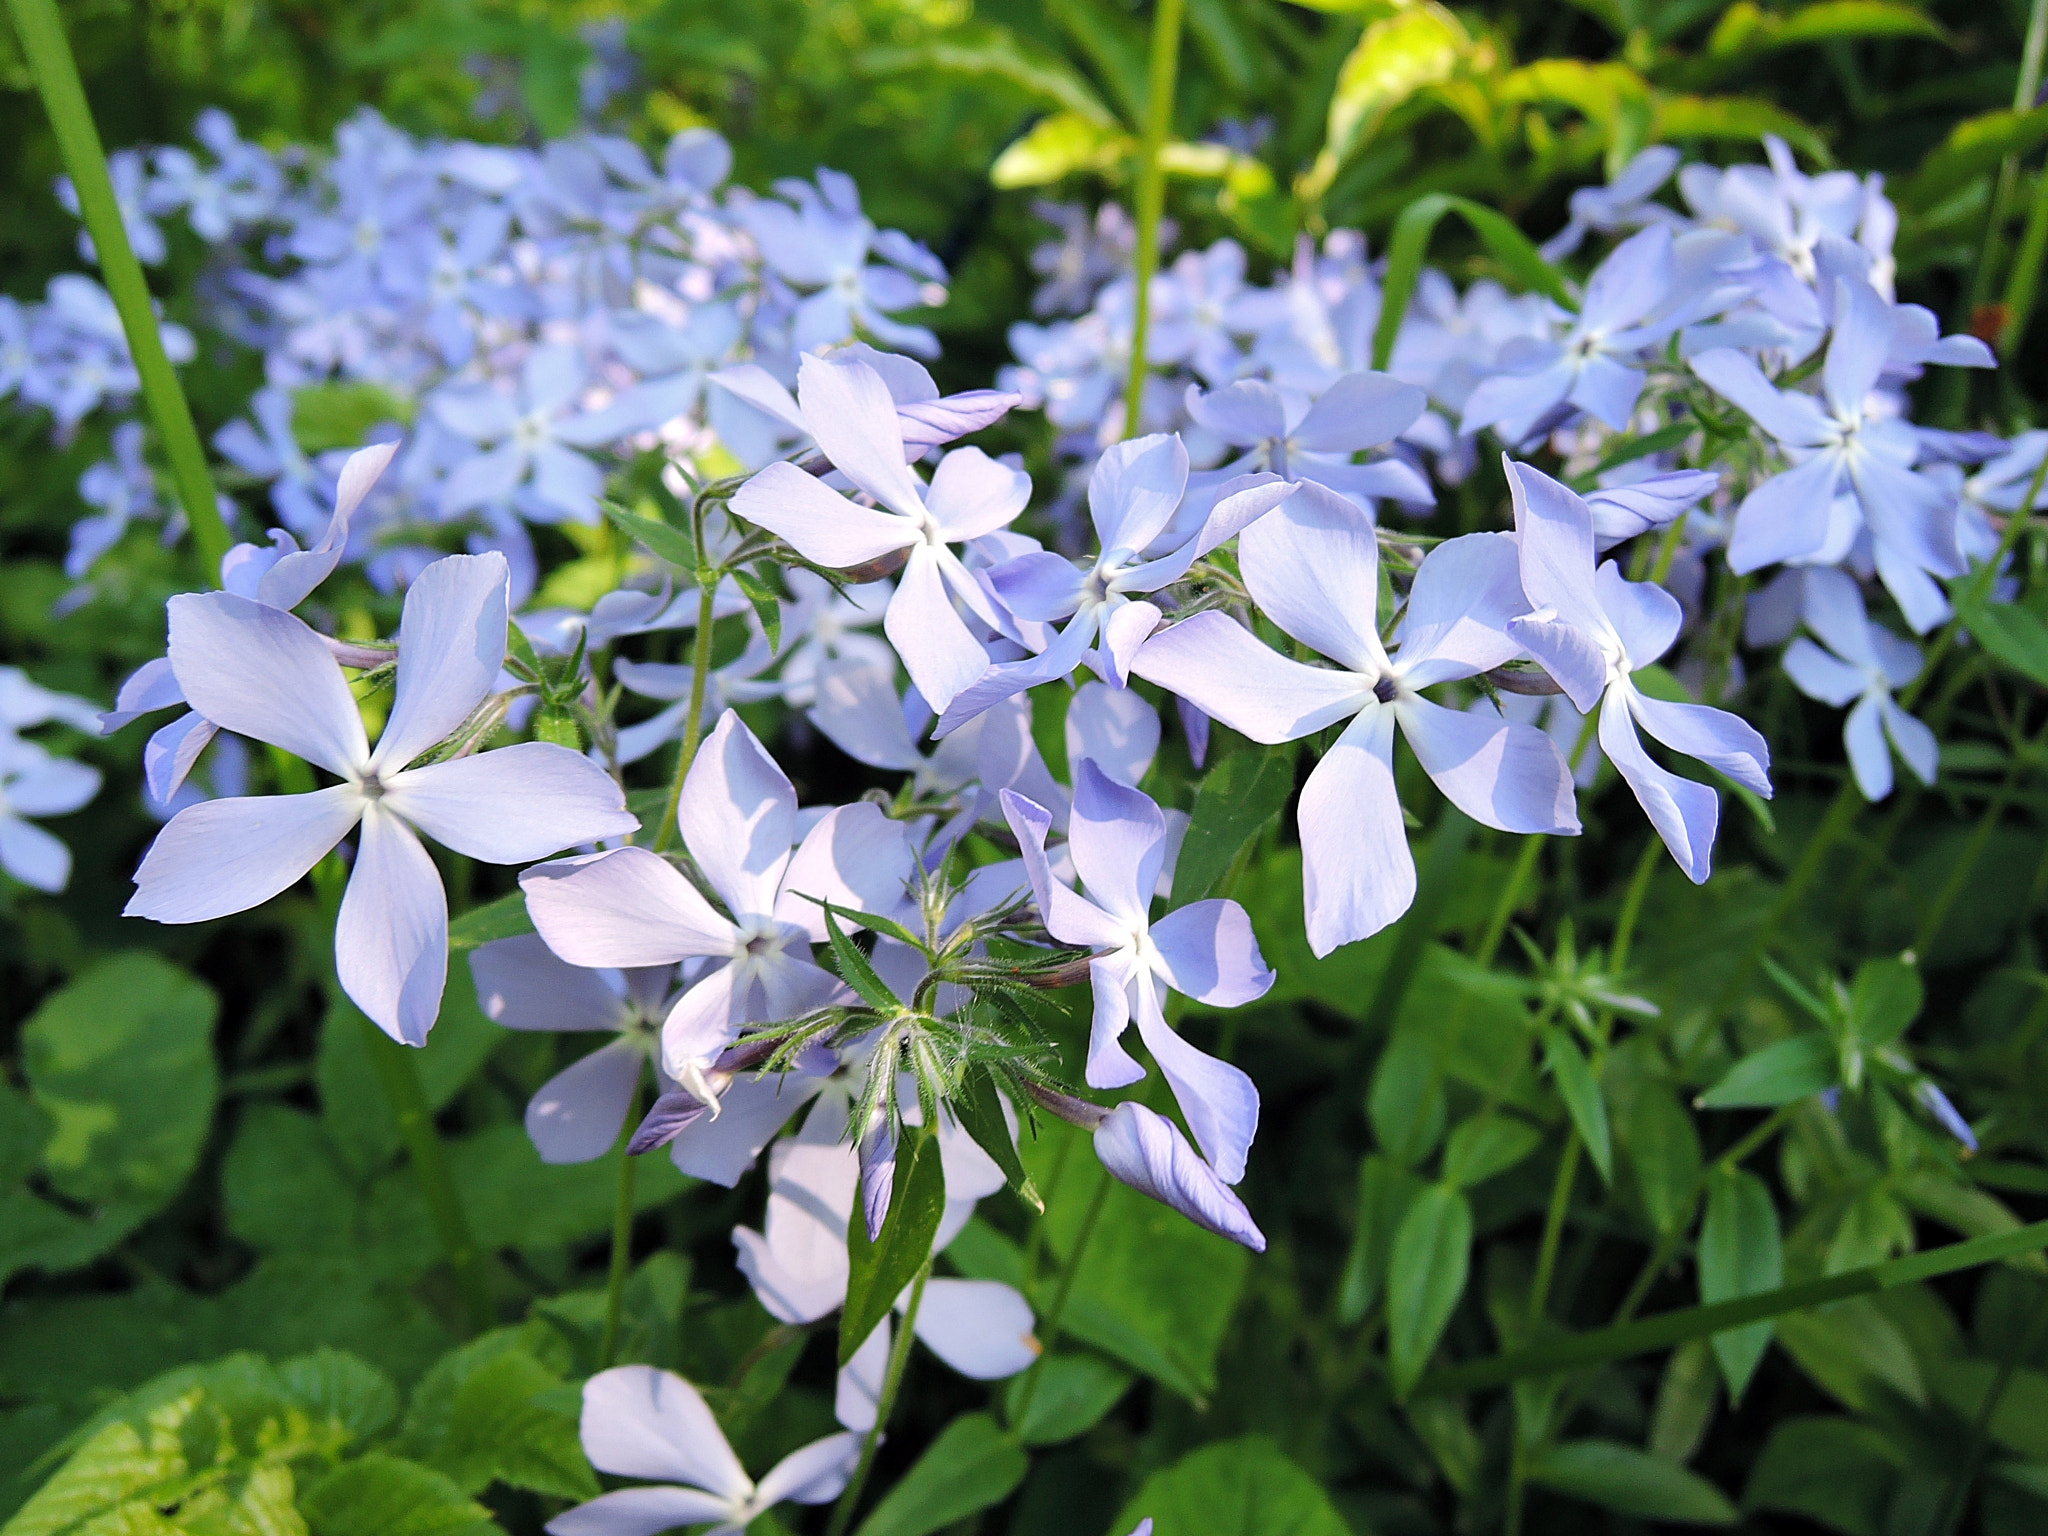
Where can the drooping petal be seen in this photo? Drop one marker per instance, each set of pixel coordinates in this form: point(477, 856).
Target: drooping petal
point(1870, 757)
point(854, 857)
point(391, 938)
point(702, 1022)
point(1686, 815)
point(939, 651)
point(1128, 627)
point(1465, 593)
point(1219, 1100)
point(1147, 1151)
point(150, 687)
point(1571, 656)
point(1645, 617)
point(981, 1328)
point(628, 907)
point(1916, 743)
point(576, 1115)
point(1713, 736)
point(737, 815)
point(224, 856)
point(811, 1474)
point(641, 1422)
point(172, 751)
point(451, 645)
point(264, 674)
point(515, 804)
point(1312, 565)
point(820, 524)
point(1115, 837)
point(288, 583)
point(858, 1391)
point(522, 984)
point(1226, 671)
point(1500, 773)
point(1909, 513)
point(1357, 873)
point(640, 1512)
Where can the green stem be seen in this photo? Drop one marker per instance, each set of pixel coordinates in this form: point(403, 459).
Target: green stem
point(1553, 1230)
point(1959, 874)
point(1510, 893)
point(1058, 1309)
point(49, 57)
point(693, 727)
point(899, 1356)
point(622, 1240)
point(1958, 1491)
point(2024, 280)
point(1151, 199)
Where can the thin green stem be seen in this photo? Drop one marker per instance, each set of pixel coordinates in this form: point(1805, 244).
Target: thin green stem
point(1965, 865)
point(2024, 280)
point(1051, 1328)
point(899, 1357)
point(622, 1239)
point(1553, 1230)
point(693, 727)
point(49, 57)
point(1151, 200)
point(1957, 1494)
point(1510, 894)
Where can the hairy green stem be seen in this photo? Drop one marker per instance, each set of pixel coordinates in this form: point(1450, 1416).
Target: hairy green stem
point(693, 727)
point(50, 61)
point(622, 1239)
point(899, 1357)
point(1151, 199)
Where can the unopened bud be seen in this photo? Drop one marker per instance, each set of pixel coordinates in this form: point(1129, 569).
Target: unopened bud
point(559, 726)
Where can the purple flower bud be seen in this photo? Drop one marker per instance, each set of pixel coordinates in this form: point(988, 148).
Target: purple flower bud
point(671, 1115)
point(1147, 1151)
point(1938, 1105)
point(877, 1174)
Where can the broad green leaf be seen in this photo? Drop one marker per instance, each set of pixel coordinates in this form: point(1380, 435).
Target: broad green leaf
point(1385, 1191)
point(1746, 30)
point(1431, 1259)
point(2016, 636)
point(1740, 1255)
point(121, 1463)
point(1973, 147)
point(382, 1495)
point(665, 540)
point(352, 1102)
point(1151, 1289)
point(335, 1388)
point(878, 1271)
point(1661, 1147)
point(1410, 246)
point(1244, 1487)
point(483, 1414)
point(284, 1187)
point(1686, 1397)
point(1834, 1471)
point(1783, 1073)
point(505, 918)
point(1855, 1353)
point(1416, 47)
point(1406, 1101)
point(971, 1465)
point(1583, 1100)
point(342, 415)
point(1631, 1482)
point(980, 1109)
point(1740, 118)
point(1486, 1145)
point(1074, 1391)
point(121, 1061)
point(1884, 997)
point(1239, 797)
point(1007, 58)
point(24, 1132)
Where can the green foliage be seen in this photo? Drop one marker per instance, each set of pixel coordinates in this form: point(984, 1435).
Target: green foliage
point(971, 1465)
point(879, 1269)
point(1242, 1487)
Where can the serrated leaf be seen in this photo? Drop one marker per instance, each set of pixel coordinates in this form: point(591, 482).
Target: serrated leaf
point(505, 918)
point(877, 1272)
point(664, 541)
point(980, 1110)
point(1631, 1482)
point(1583, 1100)
point(972, 1465)
point(1778, 1074)
point(1239, 797)
point(1410, 245)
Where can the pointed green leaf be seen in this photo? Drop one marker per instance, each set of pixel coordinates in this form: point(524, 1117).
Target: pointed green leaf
point(877, 1272)
point(1784, 1073)
point(1431, 1260)
point(1631, 1482)
point(971, 1466)
point(855, 970)
point(504, 918)
point(1583, 1100)
point(1487, 1145)
point(767, 607)
point(666, 542)
point(1662, 1149)
point(1410, 245)
point(1741, 1254)
point(1239, 797)
point(980, 1110)
point(1884, 997)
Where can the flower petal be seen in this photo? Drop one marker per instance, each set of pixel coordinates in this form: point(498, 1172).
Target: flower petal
point(1312, 565)
point(820, 524)
point(939, 651)
point(1219, 666)
point(981, 1328)
point(737, 815)
point(640, 1512)
point(1116, 838)
point(1686, 815)
point(522, 984)
point(853, 418)
point(1147, 1151)
point(391, 938)
point(854, 857)
point(641, 1422)
point(451, 643)
point(1466, 591)
point(811, 1474)
point(1713, 736)
point(750, 1113)
point(576, 1115)
point(1357, 873)
point(1500, 773)
point(265, 674)
point(628, 907)
point(1359, 411)
point(515, 804)
point(223, 856)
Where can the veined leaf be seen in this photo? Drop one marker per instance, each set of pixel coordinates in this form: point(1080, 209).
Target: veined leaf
point(1244, 1487)
point(1410, 245)
point(877, 1272)
point(1884, 997)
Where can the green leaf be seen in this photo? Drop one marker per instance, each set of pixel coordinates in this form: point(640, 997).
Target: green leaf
point(1385, 1191)
point(1398, 55)
point(1884, 997)
point(2013, 635)
point(854, 967)
point(1431, 1259)
point(1744, 30)
point(767, 607)
point(1662, 1151)
point(1059, 146)
point(1406, 1101)
point(505, 918)
point(980, 1109)
point(1973, 147)
point(1834, 1471)
point(1245, 1487)
point(1783, 1073)
point(1740, 1255)
point(971, 1465)
point(1687, 1394)
point(878, 1272)
point(1238, 799)
point(1003, 57)
point(1574, 1077)
point(1741, 118)
point(666, 541)
point(483, 1414)
point(1631, 1482)
point(352, 1396)
point(1410, 246)
point(121, 1064)
point(381, 1495)
point(1487, 1145)
point(1074, 1391)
